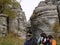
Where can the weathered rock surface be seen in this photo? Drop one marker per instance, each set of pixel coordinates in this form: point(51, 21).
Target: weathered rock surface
point(16, 25)
point(44, 17)
point(3, 25)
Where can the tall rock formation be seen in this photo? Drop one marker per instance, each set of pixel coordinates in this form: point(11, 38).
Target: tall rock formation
point(3, 25)
point(44, 17)
point(17, 25)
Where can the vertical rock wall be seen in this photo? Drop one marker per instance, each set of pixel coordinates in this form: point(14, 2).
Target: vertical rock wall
point(3, 25)
point(44, 17)
point(16, 25)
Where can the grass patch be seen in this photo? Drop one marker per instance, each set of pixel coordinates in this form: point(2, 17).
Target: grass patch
point(58, 43)
point(11, 40)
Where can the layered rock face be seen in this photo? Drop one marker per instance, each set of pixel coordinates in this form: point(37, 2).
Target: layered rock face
point(16, 25)
point(3, 25)
point(44, 17)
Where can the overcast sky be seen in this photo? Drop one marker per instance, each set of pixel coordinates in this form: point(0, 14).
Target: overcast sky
point(28, 6)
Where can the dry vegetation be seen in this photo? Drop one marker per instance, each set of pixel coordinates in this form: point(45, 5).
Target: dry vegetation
point(55, 29)
point(11, 40)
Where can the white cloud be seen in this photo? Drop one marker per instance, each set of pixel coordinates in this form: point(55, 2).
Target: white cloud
point(28, 6)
